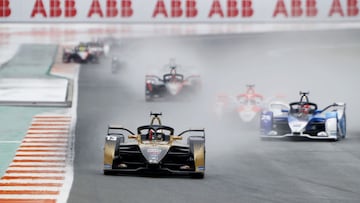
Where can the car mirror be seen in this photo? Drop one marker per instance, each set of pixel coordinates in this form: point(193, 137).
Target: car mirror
point(132, 136)
point(176, 137)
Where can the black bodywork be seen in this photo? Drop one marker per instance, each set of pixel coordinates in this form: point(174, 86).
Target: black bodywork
point(171, 85)
point(156, 152)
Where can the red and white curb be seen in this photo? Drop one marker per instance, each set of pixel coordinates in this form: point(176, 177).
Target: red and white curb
point(40, 168)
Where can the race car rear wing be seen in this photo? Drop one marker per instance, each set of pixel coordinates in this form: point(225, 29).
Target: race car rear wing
point(116, 130)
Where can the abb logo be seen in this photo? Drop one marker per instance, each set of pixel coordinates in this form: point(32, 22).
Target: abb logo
point(111, 8)
point(191, 11)
point(5, 10)
point(176, 9)
point(352, 8)
point(296, 8)
point(311, 10)
point(232, 9)
point(55, 9)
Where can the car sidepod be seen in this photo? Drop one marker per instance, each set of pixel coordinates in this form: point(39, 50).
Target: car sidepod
point(273, 126)
point(266, 122)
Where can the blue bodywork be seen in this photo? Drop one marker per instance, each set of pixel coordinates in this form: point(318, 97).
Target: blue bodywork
point(329, 123)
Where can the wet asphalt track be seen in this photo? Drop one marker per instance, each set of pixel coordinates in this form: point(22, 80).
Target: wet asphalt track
point(240, 167)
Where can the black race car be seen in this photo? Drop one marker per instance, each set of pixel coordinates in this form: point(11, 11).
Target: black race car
point(155, 148)
point(171, 85)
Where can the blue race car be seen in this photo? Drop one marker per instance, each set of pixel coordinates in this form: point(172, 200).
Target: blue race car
point(304, 119)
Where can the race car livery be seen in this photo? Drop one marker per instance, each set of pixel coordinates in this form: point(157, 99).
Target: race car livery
point(80, 54)
point(171, 85)
point(155, 149)
point(304, 119)
point(247, 106)
point(97, 48)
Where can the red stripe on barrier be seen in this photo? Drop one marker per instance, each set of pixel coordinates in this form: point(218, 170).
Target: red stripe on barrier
point(41, 150)
point(45, 128)
point(54, 133)
point(41, 155)
point(52, 120)
point(60, 142)
point(28, 192)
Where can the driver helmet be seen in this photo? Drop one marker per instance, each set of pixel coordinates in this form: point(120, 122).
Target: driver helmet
point(173, 73)
point(155, 135)
point(151, 134)
point(305, 109)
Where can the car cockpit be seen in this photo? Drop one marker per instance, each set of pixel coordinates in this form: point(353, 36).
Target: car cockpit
point(155, 131)
point(303, 107)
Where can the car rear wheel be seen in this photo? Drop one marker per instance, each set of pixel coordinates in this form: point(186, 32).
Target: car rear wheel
point(338, 132)
point(148, 98)
point(148, 95)
point(343, 127)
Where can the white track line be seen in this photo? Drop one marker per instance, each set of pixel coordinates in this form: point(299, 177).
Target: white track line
point(69, 175)
point(39, 158)
point(46, 135)
point(40, 148)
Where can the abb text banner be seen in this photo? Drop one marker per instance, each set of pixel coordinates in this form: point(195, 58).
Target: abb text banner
point(184, 11)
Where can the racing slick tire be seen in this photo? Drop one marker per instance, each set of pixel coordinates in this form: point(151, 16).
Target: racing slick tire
point(343, 129)
point(148, 95)
point(341, 132)
point(198, 175)
point(338, 134)
point(148, 98)
point(108, 173)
